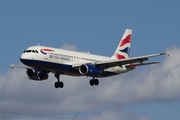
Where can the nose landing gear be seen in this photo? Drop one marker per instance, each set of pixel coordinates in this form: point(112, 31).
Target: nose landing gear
point(58, 84)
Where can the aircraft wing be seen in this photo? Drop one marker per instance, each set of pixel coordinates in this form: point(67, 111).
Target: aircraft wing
point(116, 62)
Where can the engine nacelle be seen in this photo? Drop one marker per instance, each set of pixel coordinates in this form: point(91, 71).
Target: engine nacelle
point(89, 70)
point(33, 75)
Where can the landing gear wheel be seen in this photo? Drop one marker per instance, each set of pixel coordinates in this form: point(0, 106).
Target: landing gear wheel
point(56, 84)
point(96, 82)
point(61, 84)
point(91, 82)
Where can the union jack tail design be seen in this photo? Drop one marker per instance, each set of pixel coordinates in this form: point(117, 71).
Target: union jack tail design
point(123, 49)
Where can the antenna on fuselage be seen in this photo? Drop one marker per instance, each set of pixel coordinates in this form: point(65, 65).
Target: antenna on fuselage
point(38, 44)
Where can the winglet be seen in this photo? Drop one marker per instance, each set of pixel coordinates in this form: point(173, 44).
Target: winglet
point(164, 53)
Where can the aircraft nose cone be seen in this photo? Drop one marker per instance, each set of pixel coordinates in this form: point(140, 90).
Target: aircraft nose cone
point(23, 58)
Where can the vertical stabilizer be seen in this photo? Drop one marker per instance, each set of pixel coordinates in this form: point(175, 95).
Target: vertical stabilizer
point(123, 49)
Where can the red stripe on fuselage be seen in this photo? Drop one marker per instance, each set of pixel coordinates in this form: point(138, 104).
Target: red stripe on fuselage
point(126, 40)
point(47, 50)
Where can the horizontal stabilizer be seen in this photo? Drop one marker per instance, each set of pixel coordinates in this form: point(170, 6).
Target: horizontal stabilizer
point(23, 67)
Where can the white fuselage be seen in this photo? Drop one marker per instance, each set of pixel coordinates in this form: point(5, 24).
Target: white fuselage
point(53, 60)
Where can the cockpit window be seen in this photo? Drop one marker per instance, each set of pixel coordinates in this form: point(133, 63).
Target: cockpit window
point(30, 51)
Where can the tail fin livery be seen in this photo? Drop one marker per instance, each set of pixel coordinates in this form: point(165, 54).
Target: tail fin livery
point(123, 49)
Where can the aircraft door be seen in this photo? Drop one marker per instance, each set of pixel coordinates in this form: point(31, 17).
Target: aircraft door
point(46, 56)
point(76, 59)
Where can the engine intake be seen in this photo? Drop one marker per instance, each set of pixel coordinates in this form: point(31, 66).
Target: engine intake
point(90, 70)
point(33, 75)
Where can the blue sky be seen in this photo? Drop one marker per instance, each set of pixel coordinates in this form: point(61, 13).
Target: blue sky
point(95, 26)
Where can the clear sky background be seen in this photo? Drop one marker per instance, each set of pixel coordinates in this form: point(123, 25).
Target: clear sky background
point(96, 26)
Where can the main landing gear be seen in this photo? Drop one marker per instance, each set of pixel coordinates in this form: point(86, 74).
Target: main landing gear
point(94, 82)
point(58, 84)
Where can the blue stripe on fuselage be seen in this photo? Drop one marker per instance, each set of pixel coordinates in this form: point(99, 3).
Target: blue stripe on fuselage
point(43, 53)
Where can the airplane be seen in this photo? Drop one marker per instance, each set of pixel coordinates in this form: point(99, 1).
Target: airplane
point(41, 60)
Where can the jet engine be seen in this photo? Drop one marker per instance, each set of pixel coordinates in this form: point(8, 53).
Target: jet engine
point(36, 75)
point(90, 70)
